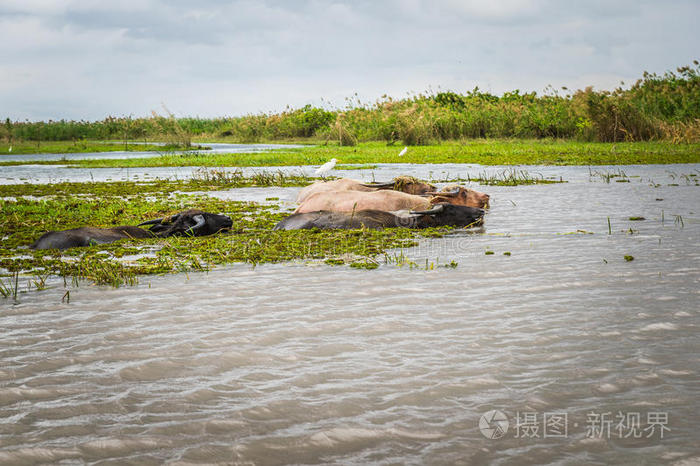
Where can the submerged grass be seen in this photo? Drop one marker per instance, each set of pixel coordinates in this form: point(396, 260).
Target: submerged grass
point(480, 151)
point(509, 177)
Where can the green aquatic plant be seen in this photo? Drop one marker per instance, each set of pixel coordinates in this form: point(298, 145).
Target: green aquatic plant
point(10, 287)
point(510, 177)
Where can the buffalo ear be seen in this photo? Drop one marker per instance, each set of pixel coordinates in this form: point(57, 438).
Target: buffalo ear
point(151, 222)
point(160, 220)
point(200, 223)
point(435, 210)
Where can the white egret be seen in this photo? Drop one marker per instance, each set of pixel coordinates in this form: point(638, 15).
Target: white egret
point(326, 167)
point(10, 149)
point(403, 152)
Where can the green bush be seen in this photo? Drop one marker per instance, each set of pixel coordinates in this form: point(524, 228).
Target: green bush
point(655, 107)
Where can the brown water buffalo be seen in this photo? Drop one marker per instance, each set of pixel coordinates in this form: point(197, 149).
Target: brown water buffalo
point(406, 184)
point(442, 214)
point(191, 222)
point(348, 201)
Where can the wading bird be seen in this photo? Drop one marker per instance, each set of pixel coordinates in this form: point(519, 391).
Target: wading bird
point(326, 167)
point(403, 152)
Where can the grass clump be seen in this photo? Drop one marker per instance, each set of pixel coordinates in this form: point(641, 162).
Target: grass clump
point(511, 177)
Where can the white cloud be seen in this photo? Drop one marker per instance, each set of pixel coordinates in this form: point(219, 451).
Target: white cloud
point(85, 59)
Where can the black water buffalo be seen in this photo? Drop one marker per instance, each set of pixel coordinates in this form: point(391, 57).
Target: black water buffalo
point(443, 214)
point(191, 222)
point(87, 236)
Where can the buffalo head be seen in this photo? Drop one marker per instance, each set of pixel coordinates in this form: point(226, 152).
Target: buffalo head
point(446, 214)
point(459, 195)
point(191, 222)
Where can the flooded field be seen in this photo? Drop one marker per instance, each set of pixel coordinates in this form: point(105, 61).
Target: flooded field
point(577, 324)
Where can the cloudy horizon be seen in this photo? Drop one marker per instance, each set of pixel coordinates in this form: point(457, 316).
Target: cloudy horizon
point(79, 59)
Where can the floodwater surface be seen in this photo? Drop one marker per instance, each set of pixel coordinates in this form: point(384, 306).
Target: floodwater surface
point(586, 357)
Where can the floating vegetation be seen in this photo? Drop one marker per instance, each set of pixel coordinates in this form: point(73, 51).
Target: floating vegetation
point(251, 239)
point(331, 261)
point(507, 253)
point(489, 253)
point(629, 258)
point(364, 264)
point(637, 219)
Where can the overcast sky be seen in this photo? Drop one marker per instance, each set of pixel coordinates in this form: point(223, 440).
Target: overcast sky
point(87, 59)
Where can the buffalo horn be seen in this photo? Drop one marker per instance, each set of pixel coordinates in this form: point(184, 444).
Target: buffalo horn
point(378, 185)
point(200, 223)
point(452, 193)
point(435, 210)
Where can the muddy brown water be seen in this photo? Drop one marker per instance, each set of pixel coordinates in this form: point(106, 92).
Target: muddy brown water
point(589, 357)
